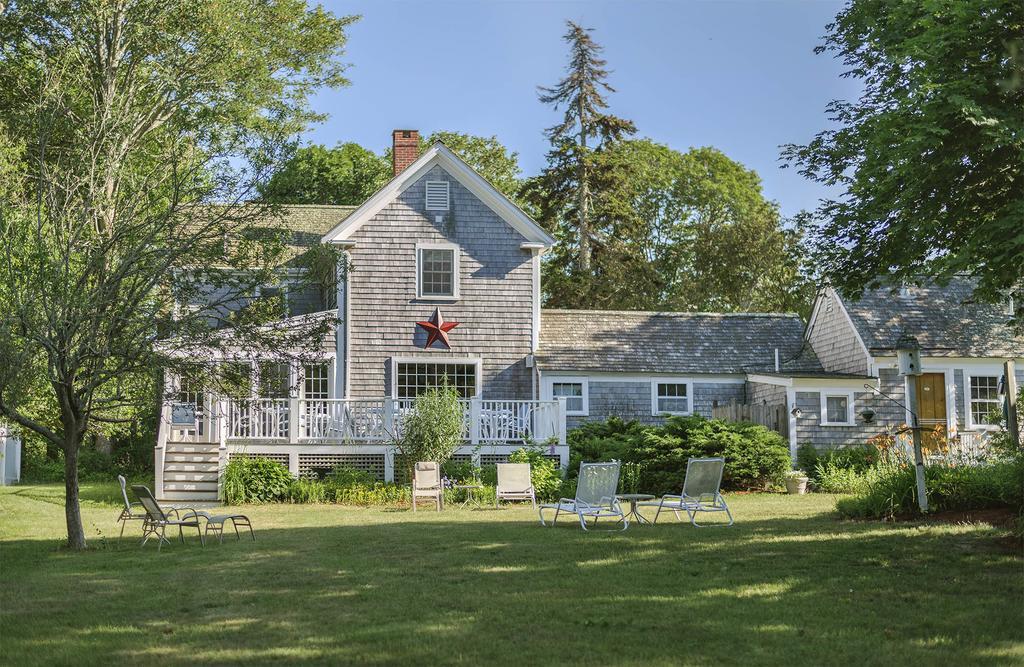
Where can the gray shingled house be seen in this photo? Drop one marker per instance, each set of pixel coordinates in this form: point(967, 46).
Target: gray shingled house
point(438, 245)
point(852, 343)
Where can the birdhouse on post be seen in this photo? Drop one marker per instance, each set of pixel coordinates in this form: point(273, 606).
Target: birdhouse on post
point(908, 355)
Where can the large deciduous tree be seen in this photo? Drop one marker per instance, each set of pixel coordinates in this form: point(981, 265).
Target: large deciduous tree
point(346, 174)
point(565, 192)
point(689, 231)
point(134, 131)
point(930, 158)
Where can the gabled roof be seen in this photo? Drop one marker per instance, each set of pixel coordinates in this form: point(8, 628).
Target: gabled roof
point(946, 320)
point(669, 343)
point(439, 154)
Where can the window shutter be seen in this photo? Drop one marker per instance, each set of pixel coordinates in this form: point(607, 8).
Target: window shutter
point(437, 195)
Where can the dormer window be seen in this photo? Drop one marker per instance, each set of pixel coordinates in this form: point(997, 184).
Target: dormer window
point(437, 271)
point(437, 195)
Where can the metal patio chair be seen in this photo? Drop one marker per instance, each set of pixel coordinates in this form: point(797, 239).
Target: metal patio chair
point(132, 511)
point(514, 483)
point(157, 520)
point(595, 496)
point(426, 483)
point(700, 492)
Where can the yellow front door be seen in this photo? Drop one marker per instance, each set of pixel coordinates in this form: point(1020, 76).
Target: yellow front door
point(931, 410)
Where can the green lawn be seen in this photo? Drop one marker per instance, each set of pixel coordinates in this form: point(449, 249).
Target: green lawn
point(788, 584)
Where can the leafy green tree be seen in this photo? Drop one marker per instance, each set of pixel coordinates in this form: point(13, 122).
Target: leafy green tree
point(126, 122)
point(346, 174)
point(687, 231)
point(565, 192)
point(930, 158)
point(487, 155)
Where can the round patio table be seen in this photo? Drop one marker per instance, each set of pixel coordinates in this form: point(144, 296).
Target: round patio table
point(633, 499)
point(470, 490)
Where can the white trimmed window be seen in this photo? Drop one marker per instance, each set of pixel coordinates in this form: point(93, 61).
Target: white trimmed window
point(437, 195)
point(316, 382)
point(984, 399)
point(671, 397)
point(837, 408)
point(437, 271)
point(574, 391)
point(414, 377)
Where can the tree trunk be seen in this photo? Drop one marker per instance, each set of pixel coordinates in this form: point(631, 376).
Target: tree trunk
point(72, 510)
point(583, 204)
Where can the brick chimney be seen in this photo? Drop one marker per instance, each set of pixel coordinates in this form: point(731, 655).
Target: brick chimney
point(405, 148)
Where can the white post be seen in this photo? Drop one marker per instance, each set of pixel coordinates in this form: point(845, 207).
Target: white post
point(1011, 403)
point(160, 449)
point(389, 465)
point(293, 463)
point(17, 457)
point(294, 417)
point(389, 417)
point(922, 494)
point(561, 420)
point(474, 421)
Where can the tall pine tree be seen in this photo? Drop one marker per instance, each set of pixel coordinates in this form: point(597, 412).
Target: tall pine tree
point(565, 191)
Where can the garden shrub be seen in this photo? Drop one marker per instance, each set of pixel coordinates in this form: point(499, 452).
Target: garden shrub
point(755, 457)
point(255, 480)
point(544, 473)
point(832, 477)
point(432, 430)
point(889, 488)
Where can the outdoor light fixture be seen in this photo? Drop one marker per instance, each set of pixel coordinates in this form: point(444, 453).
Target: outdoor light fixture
point(868, 415)
point(796, 412)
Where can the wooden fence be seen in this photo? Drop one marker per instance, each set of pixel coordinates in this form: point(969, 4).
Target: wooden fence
point(775, 417)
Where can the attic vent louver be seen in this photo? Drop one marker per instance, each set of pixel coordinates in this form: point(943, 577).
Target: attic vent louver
point(437, 195)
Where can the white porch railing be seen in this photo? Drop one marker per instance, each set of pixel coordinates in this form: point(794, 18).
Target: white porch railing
point(370, 421)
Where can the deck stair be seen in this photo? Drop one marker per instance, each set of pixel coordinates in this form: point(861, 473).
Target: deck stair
point(190, 471)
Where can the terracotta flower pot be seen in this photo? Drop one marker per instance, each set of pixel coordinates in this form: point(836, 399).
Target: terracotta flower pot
point(796, 485)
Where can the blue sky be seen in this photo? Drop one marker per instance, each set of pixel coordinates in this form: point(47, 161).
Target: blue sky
point(740, 76)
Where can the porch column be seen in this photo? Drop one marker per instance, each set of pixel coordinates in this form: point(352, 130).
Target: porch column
point(474, 421)
point(561, 421)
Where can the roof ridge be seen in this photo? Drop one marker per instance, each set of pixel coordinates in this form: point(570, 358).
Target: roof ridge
point(670, 313)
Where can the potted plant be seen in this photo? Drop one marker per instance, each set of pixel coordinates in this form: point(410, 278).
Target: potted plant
point(796, 481)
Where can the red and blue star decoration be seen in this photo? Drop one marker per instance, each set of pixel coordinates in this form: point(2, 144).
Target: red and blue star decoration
point(437, 329)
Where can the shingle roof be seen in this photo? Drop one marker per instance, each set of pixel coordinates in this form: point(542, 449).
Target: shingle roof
point(650, 342)
point(947, 321)
point(307, 223)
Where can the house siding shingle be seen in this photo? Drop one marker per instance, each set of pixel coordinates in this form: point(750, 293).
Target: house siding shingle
point(888, 415)
point(632, 399)
point(494, 309)
point(770, 394)
point(834, 339)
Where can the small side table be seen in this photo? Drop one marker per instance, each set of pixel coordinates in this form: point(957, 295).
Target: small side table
point(470, 490)
point(633, 499)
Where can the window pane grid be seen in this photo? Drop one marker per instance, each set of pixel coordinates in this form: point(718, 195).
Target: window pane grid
point(672, 397)
point(415, 378)
point(437, 274)
point(837, 409)
point(984, 399)
point(572, 392)
point(316, 385)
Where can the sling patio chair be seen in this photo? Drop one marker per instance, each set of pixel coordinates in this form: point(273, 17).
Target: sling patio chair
point(700, 492)
point(132, 511)
point(157, 520)
point(426, 483)
point(595, 496)
point(514, 483)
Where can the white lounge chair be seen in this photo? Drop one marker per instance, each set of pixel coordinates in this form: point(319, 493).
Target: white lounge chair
point(514, 483)
point(157, 520)
point(426, 483)
point(700, 492)
point(595, 496)
point(129, 512)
